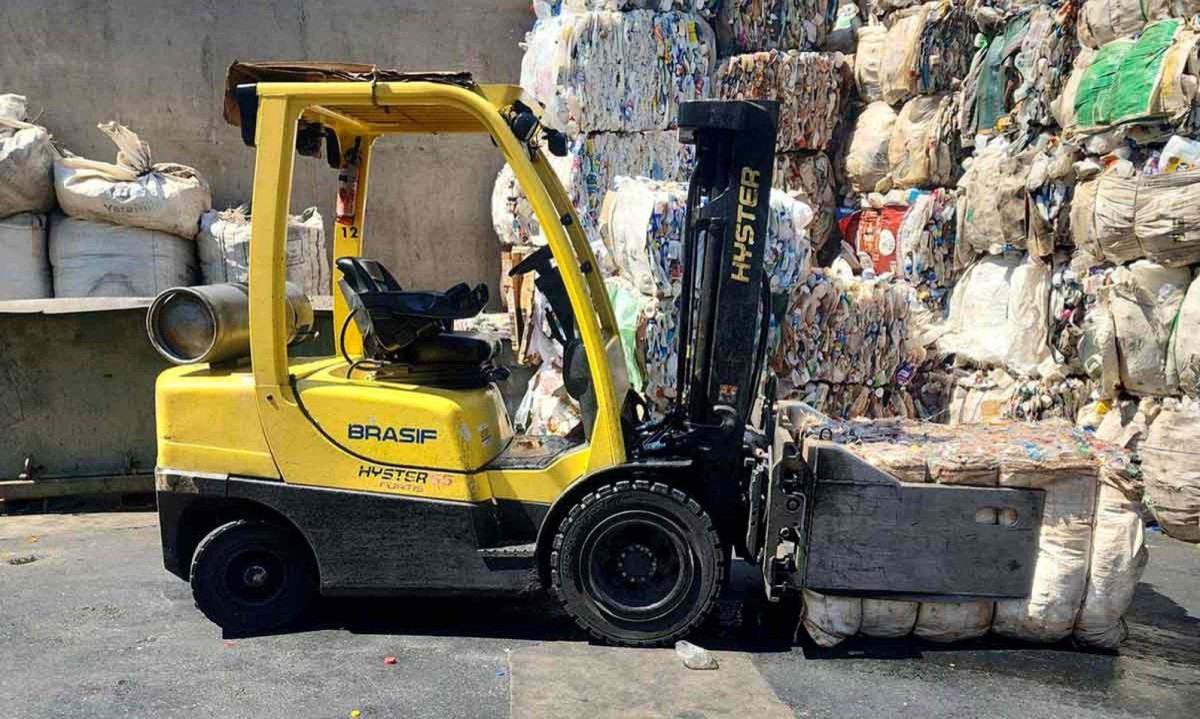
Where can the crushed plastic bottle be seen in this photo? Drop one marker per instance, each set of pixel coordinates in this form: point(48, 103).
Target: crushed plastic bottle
point(695, 657)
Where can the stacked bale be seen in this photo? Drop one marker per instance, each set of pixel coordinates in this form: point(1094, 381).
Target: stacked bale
point(129, 227)
point(26, 195)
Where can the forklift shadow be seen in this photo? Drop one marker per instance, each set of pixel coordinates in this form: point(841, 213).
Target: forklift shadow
point(503, 617)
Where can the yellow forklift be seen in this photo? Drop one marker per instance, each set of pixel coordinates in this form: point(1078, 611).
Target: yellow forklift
point(393, 468)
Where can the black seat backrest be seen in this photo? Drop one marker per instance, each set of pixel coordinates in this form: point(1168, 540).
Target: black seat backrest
point(389, 318)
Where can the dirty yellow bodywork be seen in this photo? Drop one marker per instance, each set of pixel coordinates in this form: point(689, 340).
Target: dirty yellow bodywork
point(313, 423)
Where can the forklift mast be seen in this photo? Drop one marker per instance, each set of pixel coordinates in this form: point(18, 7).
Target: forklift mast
point(722, 309)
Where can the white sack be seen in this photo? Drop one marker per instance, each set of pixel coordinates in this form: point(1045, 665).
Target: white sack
point(1183, 358)
point(888, 618)
point(953, 621)
point(1171, 467)
point(1026, 330)
point(830, 620)
point(979, 311)
point(1144, 298)
point(1119, 555)
point(1060, 568)
point(224, 248)
point(26, 159)
point(867, 165)
point(97, 259)
point(134, 191)
point(24, 264)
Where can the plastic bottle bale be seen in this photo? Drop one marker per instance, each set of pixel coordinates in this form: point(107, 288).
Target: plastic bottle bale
point(774, 25)
point(953, 621)
point(887, 618)
point(26, 160)
point(224, 249)
point(98, 259)
point(923, 148)
point(1064, 547)
point(617, 71)
point(1171, 467)
point(829, 620)
point(24, 261)
point(1183, 358)
point(1144, 299)
point(867, 165)
point(1119, 555)
point(134, 191)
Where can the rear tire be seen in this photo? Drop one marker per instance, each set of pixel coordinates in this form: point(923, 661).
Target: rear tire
point(252, 577)
point(637, 563)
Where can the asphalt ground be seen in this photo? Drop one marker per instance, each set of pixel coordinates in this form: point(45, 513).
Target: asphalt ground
point(92, 626)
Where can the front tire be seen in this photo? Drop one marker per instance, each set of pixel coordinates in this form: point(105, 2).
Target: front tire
point(637, 563)
point(252, 577)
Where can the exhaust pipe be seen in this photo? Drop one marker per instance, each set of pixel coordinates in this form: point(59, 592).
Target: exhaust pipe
point(211, 323)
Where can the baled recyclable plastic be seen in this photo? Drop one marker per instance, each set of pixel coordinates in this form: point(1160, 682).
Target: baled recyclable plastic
point(1090, 553)
point(1144, 299)
point(587, 172)
point(1171, 471)
point(1183, 358)
point(1102, 21)
point(1126, 218)
point(134, 191)
point(926, 49)
point(752, 25)
point(809, 177)
point(806, 84)
point(224, 249)
point(25, 270)
point(98, 259)
point(867, 162)
point(617, 71)
point(842, 332)
point(923, 148)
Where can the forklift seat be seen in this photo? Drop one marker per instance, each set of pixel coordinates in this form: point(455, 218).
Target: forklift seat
point(411, 328)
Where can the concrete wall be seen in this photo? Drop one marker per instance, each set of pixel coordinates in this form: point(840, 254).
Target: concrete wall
point(159, 66)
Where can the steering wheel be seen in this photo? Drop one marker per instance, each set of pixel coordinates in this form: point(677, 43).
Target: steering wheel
point(539, 260)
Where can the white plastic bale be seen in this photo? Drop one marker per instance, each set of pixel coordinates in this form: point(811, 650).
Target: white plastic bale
point(1183, 358)
point(868, 60)
point(224, 249)
point(1119, 555)
point(134, 191)
point(1171, 466)
point(617, 71)
point(26, 160)
point(98, 259)
point(923, 147)
point(807, 85)
point(1144, 299)
point(867, 164)
point(888, 618)
point(587, 172)
point(1102, 21)
point(1064, 548)
point(773, 25)
point(829, 620)
point(1027, 328)
point(953, 621)
point(979, 307)
point(24, 262)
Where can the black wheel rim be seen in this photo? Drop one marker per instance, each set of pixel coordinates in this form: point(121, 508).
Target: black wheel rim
point(255, 577)
point(636, 566)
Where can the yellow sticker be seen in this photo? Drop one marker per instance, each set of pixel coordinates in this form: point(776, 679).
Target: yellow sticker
point(691, 29)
